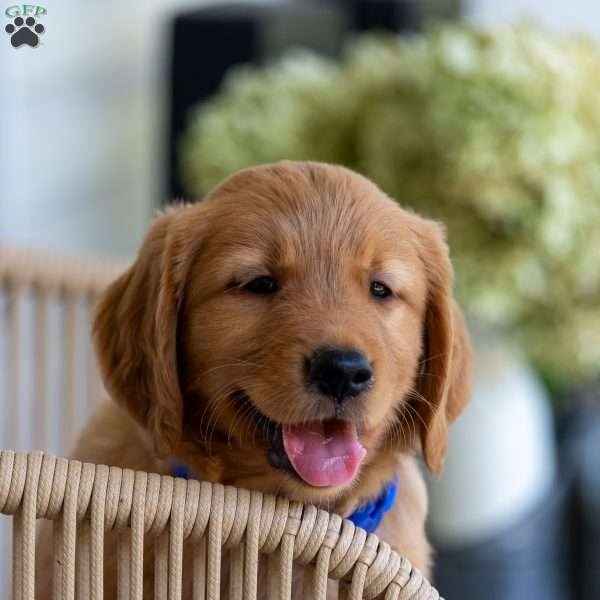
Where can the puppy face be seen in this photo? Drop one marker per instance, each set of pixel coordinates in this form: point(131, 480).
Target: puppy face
point(289, 333)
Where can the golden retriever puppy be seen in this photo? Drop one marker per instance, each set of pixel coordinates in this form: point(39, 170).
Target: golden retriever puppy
point(294, 333)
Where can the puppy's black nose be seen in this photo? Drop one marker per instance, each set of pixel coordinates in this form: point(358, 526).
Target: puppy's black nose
point(340, 373)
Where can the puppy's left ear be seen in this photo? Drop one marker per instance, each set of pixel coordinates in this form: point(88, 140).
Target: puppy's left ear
point(444, 378)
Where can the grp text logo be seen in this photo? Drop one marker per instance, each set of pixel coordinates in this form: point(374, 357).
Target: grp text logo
point(24, 28)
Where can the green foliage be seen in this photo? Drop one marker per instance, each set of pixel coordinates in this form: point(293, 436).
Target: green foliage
point(495, 133)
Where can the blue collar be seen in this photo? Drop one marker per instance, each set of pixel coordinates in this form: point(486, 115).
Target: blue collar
point(180, 471)
point(368, 516)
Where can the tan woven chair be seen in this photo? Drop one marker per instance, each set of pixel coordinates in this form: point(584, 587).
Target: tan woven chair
point(218, 524)
point(86, 500)
point(46, 360)
point(49, 381)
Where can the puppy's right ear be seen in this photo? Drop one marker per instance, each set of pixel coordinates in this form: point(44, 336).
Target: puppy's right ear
point(135, 330)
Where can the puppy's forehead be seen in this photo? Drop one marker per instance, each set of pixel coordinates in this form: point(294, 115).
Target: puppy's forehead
point(320, 214)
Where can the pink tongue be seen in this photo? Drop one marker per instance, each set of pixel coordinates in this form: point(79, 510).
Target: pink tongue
point(324, 453)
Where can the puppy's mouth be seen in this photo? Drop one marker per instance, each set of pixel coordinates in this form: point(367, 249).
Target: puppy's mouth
point(321, 453)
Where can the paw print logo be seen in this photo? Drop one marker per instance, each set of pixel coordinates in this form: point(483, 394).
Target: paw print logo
point(24, 32)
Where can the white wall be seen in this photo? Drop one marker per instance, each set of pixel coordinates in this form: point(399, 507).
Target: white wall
point(82, 125)
point(571, 15)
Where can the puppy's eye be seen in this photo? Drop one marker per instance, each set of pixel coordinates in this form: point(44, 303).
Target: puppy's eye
point(262, 285)
point(379, 290)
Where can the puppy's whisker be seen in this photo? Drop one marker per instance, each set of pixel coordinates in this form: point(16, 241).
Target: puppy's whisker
point(249, 412)
point(391, 431)
point(410, 421)
point(403, 428)
point(214, 410)
point(388, 436)
point(434, 375)
point(423, 361)
point(219, 405)
point(415, 412)
point(241, 413)
point(416, 395)
point(404, 415)
point(255, 426)
point(213, 416)
point(205, 412)
point(263, 422)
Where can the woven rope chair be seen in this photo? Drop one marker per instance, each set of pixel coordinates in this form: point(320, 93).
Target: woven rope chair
point(219, 525)
point(47, 367)
point(86, 500)
point(46, 359)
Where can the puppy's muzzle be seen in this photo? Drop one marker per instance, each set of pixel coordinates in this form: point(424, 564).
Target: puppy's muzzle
point(340, 373)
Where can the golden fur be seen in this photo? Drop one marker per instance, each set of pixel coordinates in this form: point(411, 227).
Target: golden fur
point(177, 336)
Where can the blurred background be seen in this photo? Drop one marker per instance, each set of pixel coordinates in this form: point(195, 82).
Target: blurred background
point(482, 114)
